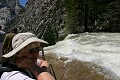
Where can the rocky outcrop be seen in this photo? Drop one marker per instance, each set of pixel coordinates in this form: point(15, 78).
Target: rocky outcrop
point(45, 18)
point(77, 70)
point(8, 10)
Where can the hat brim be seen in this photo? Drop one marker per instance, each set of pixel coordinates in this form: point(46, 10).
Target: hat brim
point(25, 43)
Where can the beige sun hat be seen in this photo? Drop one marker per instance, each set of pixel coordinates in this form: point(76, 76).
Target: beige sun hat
point(21, 40)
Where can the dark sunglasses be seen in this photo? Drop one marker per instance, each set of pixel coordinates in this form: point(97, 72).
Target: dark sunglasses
point(35, 49)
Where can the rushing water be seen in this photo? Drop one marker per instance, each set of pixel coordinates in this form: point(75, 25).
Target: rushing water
point(103, 49)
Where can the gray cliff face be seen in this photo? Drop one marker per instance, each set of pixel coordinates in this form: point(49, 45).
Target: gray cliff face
point(45, 18)
point(8, 10)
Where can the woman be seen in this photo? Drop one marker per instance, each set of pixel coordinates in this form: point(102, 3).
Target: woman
point(23, 59)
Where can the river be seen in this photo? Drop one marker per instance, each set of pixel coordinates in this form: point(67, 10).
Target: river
point(102, 49)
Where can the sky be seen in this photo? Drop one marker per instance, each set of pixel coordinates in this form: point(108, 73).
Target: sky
point(22, 2)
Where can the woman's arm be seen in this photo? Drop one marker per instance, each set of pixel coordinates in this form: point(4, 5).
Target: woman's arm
point(40, 74)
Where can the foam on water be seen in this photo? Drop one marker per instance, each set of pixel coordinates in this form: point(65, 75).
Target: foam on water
point(101, 48)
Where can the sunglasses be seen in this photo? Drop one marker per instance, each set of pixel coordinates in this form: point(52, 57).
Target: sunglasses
point(35, 49)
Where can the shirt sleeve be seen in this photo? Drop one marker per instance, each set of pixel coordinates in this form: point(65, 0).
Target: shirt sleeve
point(14, 75)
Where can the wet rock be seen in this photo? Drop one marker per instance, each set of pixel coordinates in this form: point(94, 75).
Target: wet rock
point(78, 70)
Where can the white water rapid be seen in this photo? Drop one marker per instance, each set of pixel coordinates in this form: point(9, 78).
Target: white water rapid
point(100, 48)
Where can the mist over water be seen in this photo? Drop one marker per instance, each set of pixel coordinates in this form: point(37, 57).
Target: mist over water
point(103, 49)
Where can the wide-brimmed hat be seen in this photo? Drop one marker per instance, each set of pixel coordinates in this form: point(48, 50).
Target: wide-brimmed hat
point(21, 40)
